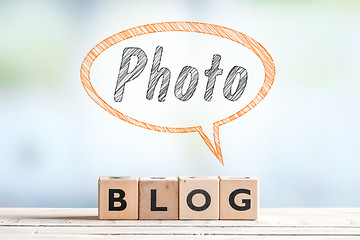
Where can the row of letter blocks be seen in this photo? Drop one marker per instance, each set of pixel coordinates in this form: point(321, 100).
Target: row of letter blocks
point(178, 198)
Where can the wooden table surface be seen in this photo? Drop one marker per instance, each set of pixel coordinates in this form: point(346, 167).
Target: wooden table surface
point(82, 223)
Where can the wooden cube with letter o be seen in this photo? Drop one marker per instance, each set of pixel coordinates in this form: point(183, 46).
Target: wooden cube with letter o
point(199, 198)
point(207, 198)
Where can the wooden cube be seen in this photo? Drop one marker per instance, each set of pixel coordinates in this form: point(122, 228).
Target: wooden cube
point(238, 198)
point(118, 198)
point(158, 198)
point(199, 198)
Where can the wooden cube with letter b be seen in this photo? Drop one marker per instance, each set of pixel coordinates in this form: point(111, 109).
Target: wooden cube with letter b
point(118, 198)
point(158, 198)
point(238, 198)
point(199, 198)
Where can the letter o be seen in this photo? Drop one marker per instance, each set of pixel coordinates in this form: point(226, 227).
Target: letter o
point(192, 194)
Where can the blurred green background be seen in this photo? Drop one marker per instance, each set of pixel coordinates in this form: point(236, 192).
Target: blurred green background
point(302, 141)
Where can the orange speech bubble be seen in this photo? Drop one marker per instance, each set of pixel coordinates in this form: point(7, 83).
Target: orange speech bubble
point(196, 27)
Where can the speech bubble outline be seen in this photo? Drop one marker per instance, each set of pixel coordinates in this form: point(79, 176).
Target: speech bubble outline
point(195, 27)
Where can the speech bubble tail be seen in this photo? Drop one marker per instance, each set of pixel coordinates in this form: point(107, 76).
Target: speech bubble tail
point(209, 132)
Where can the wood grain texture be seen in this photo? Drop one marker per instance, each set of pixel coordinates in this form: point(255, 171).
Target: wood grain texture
point(165, 201)
point(82, 223)
point(199, 198)
point(236, 195)
point(129, 187)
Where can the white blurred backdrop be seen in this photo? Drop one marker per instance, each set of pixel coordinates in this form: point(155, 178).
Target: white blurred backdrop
point(301, 141)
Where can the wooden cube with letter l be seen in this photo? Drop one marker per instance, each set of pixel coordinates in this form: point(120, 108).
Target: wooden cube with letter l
point(158, 198)
point(238, 198)
point(118, 198)
point(199, 198)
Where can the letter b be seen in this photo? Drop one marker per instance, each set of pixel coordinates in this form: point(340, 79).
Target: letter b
point(120, 199)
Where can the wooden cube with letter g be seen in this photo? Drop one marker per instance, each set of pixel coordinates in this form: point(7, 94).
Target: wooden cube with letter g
point(238, 198)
